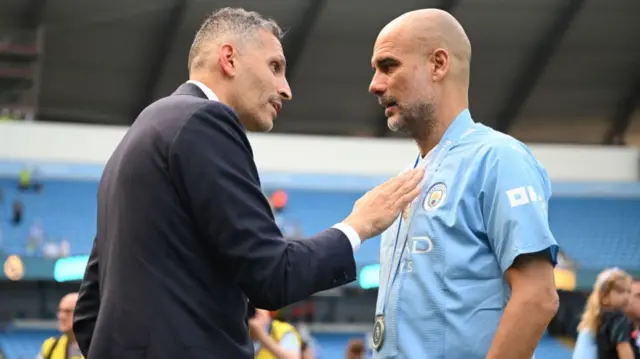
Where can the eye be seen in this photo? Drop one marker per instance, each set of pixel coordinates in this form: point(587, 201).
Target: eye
point(276, 67)
point(387, 65)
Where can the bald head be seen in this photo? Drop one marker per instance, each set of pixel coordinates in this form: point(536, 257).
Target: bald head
point(65, 312)
point(69, 300)
point(422, 62)
point(427, 30)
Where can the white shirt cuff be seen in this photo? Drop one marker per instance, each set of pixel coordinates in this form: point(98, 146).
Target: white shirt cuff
point(351, 233)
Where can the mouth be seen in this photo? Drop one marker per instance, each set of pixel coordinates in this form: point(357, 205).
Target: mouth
point(387, 103)
point(388, 107)
point(277, 106)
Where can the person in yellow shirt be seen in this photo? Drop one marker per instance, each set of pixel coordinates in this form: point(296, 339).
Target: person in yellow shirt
point(274, 339)
point(64, 346)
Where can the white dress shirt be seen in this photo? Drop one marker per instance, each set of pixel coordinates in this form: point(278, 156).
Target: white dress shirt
point(348, 231)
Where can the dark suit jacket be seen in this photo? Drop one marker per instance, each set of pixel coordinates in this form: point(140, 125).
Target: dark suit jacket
point(185, 237)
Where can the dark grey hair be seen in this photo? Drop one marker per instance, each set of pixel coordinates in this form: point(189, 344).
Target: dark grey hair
point(236, 22)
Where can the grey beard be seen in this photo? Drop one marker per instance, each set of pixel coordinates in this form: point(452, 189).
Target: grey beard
point(417, 120)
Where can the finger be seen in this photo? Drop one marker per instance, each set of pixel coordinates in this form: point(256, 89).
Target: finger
point(412, 182)
point(412, 185)
point(408, 197)
point(394, 183)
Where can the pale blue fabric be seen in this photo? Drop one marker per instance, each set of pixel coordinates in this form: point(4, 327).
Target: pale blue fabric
point(586, 347)
point(289, 341)
point(484, 202)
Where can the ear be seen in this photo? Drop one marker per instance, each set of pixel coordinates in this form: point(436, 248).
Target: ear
point(440, 63)
point(227, 59)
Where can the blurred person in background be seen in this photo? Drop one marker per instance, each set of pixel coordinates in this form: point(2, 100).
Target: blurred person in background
point(65, 248)
point(184, 233)
point(586, 344)
point(307, 351)
point(24, 179)
point(64, 346)
point(310, 349)
point(17, 212)
point(289, 228)
point(36, 240)
point(355, 349)
point(604, 316)
point(51, 249)
point(478, 238)
point(274, 339)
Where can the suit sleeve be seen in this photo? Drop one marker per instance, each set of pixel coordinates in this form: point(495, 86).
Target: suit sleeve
point(212, 166)
point(86, 312)
point(514, 200)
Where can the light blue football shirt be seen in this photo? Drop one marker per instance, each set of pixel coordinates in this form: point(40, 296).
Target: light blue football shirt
point(484, 202)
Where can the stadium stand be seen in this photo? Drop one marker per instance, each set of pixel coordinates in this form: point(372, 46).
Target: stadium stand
point(24, 344)
point(608, 225)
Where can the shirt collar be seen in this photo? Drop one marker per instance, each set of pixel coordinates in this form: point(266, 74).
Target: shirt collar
point(459, 127)
point(207, 91)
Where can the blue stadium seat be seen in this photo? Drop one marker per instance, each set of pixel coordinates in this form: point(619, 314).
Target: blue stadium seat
point(598, 232)
point(23, 344)
point(334, 346)
point(67, 210)
point(595, 232)
point(550, 348)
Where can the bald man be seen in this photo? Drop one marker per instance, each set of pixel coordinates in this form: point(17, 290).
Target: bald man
point(64, 346)
point(467, 269)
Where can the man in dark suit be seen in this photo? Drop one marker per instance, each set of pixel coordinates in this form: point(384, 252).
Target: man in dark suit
point(185, 235)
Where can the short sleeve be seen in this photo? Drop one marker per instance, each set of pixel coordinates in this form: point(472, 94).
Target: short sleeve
point(514, 198)
point(290, 342)
point(619, 328)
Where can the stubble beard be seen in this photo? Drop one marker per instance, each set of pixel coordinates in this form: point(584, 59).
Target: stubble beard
point(417, 120)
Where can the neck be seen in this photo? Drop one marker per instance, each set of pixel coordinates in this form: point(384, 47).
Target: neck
point(214, 84)
point(427, 139)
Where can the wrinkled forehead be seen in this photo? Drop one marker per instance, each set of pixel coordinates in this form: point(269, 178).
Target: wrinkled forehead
point(393, 43)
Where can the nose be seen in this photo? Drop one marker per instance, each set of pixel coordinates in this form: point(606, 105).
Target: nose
point(378, 85)
point(284, 90)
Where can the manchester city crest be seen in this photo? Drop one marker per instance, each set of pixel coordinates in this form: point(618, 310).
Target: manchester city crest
point(435, 197)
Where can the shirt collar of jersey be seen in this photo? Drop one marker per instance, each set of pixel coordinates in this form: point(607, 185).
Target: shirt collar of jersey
point(207, 91)
point(457, 129)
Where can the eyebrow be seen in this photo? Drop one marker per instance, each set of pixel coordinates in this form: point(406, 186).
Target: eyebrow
point(281, 59)
point(385, 61)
